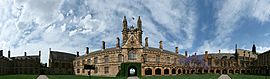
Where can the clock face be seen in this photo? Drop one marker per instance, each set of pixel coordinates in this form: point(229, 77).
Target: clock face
point(132, 71)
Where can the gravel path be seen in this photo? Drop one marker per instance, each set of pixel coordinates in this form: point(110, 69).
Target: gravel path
point(224, 76)
point(42, 77)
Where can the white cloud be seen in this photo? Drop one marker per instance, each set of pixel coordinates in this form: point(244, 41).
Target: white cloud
point(32, 25)
point(229, 15)
point(266, 34)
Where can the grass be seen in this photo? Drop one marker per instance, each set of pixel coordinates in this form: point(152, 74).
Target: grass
point(18, 76)
point(191, 76)
point(79, 77)
point(188, 76)
point(242, 76)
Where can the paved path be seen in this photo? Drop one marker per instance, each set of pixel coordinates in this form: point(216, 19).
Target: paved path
point(224, 76)
point(132, 78)
point(42, 77)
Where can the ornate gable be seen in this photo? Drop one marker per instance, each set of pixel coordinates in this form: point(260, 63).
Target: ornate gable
point(132, 42)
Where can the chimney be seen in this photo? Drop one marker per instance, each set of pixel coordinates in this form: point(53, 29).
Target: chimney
point(176, 49)
point(206, 57)
point(39, 53)
point(24, 53)
point(87, 50)
point(186, 54)
point(195, 54)
point(117, 42)
point(146, 42)
point(160, 45)
point(8, 53)
point(78, 53)
point(50, 49)
point(218, 51)
point(206, 54)
point(103, 45)
point(1, 52)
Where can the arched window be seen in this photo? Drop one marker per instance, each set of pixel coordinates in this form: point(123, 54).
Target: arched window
point(148, 71)
point(120, 58)
point(158, 71)
point(166, 71)
point(132, 55)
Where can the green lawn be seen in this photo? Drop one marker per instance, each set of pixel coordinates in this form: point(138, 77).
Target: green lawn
point(18, 76)
point(241, 76)
point(78, 77)
point(188, 76)
point(193, 76)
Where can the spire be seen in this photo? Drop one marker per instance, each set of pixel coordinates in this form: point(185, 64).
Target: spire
point(124, 23)
point(124, 31)
point(139, 23)
point(139, 26)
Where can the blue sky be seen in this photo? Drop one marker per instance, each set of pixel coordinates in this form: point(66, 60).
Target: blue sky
point(192, 25)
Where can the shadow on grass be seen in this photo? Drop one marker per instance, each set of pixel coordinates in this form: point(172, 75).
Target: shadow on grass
point(81, 77)
point(18, 76)
point(243, 76)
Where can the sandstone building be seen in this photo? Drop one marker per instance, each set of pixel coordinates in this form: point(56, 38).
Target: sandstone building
point(60, 62)
point(20, 64)
point(130, 57)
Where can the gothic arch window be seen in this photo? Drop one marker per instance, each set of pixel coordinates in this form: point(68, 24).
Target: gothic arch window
point(120, 58)
point(132, 55)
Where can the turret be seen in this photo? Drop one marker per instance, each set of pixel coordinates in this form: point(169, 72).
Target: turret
point(237, 56)
point(124, 31)
point(139, 25)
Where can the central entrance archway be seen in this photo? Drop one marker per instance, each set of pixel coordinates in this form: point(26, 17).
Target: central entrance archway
point(132, 71)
